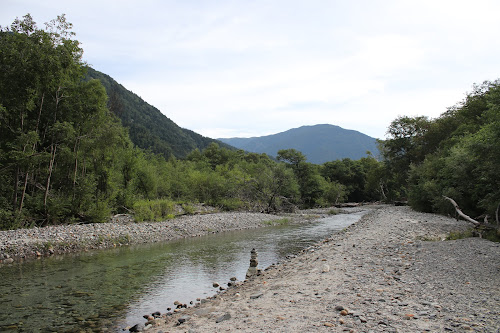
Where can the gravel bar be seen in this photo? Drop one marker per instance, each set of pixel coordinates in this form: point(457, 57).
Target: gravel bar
point(60, 239)
point(390, 272)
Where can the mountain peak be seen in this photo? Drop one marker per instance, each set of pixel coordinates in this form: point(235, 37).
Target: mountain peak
point(319, 143)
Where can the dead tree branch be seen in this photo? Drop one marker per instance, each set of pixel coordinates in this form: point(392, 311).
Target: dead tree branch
point(465, 217)
point(477, 224)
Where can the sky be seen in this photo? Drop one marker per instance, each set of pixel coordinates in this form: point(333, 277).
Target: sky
point(252, 68)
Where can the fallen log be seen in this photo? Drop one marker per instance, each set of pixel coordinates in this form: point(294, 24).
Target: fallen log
point(459, 212)
point(476, 223)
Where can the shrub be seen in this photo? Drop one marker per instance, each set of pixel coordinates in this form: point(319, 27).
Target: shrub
point(230, 204)
point(153, 210)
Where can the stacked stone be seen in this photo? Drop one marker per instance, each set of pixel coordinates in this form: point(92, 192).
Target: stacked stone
point(252, 270)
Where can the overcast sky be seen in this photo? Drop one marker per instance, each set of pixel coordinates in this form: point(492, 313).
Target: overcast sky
point(252, 68)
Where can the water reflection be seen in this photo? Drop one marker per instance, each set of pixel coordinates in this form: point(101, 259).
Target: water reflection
point(94, 290)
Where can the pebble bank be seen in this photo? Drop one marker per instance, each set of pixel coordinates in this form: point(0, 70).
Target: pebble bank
point(390, 272)
point(60, 239)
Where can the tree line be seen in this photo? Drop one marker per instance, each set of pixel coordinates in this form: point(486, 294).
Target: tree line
point(66, 158)
point(456, 155)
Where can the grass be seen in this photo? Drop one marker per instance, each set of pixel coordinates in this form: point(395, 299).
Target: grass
point(283, 221)
point(491, 235)
point(154, 210)
point(333, 211)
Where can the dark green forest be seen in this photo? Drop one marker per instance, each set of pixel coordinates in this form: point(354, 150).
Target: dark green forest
point(75, 148)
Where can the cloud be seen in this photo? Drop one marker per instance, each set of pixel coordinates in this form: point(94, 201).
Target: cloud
point(244, 68)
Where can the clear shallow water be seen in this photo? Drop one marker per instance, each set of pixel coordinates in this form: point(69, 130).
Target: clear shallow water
point(115, 288)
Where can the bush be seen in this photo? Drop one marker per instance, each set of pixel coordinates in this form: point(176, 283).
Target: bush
point(230, 204)
point(153, 210)
point(7, 220)
point(188, 209)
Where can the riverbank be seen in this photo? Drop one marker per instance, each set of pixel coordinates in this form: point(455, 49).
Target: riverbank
point(390, 272)
point(122, 231)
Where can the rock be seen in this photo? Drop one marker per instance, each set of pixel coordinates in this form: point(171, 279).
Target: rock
point(409, 316)
point(225, 316)
point(215, 284)
point(326, 268)
point(156, 314)
point(183, 319)
point(233, 279)
point(344, 312)
point(339, 308)
point(254, 296)
point(136, 328)
point(328, 324)
point(252, 270)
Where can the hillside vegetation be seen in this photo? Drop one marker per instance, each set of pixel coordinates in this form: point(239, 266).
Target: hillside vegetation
point(148, 128)
point(455, 155)
point(65, 156)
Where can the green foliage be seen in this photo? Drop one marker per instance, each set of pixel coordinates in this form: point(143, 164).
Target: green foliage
point(361, 180)
point(153, 210)
point(491, 235)
point(454, 155)
point(188, 209)
point(59, 145)
point(283, 221)
point(230, 204)
point(65, 156)
point(149, 128)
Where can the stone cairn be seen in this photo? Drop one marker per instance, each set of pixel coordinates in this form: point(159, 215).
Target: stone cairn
point(253, 270)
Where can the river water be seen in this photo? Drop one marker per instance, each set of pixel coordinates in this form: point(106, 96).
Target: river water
point(110, 289)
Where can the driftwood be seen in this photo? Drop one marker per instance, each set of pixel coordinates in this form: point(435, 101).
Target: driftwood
point(459, 212)
point(476, 223)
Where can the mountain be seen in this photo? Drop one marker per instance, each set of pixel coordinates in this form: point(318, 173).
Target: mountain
point(148, 127)
point(319, 143)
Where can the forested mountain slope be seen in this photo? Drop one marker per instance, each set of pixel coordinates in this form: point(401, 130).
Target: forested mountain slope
point(319, 143)
point(148, 127)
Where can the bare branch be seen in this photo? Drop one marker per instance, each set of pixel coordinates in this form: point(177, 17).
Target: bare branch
point(465, 217)
point(496, 214)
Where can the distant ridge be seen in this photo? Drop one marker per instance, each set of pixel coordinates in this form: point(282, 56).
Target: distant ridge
point(319, 143)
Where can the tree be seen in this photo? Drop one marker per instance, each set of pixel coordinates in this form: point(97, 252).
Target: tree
point(455, 155)
point(403, 148)
point(58, 139)
point(308, 177)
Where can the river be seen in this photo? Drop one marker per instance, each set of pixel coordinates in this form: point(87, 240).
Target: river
point(110, 289)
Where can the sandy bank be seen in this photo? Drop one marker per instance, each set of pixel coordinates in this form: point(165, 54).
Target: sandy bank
point(390, 272)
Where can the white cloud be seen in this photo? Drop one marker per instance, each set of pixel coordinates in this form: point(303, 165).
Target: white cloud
point(239, 68)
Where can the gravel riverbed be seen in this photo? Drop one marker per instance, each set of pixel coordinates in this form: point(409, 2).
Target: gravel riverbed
point(36, 242)
point(390, 272)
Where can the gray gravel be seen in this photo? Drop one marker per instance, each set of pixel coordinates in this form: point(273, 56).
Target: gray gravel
point(390, 272)
point(30, 243)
